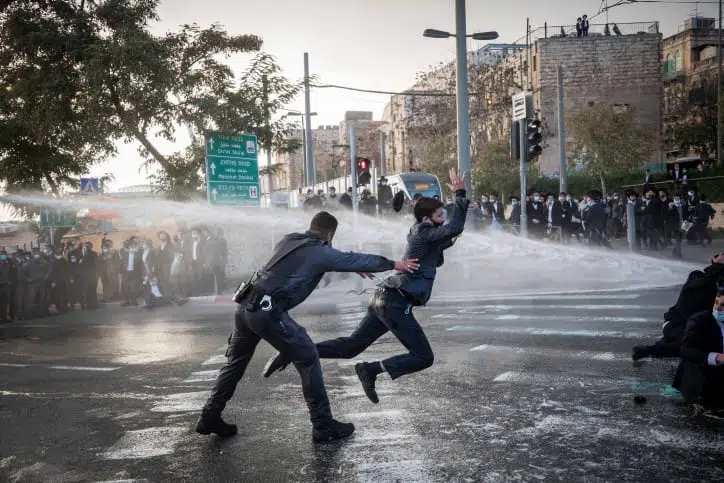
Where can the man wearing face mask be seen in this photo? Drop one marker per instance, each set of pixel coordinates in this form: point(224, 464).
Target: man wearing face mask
point(696, 295)
point(132, 266)
point(515, 212)
point(296, 267)
point(700, 375)
point(676, 215)
point(37, 271)
point(89, 264)
point(486, 219)
point(384, 196)
point(58, 281)
point(536, 213)
point(390, 309)
point(109, 266)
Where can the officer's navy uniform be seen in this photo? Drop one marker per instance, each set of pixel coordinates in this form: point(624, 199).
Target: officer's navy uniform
point(391, 307)
point(295, 269)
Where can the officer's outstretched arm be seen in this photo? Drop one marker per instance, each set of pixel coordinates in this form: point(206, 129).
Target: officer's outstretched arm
point(333, 260)
point(456, 225)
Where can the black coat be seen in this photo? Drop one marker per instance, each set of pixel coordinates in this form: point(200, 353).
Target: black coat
point(702, 337)
point(697, 294)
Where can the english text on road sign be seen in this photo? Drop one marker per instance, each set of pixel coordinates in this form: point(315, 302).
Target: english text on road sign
point(57, 218)
point(522, 106)
point(89, 186)
point(232, 169)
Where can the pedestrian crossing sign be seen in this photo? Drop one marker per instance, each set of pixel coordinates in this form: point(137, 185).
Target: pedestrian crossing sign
point(89, 186)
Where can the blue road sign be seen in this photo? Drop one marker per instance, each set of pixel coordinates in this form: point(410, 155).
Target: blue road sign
point(89, 186)
point(232, 169)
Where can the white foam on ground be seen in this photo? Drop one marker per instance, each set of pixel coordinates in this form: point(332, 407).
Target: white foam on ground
point(9, 364)
point(182, 402)
point(555, 353)
point(478, 309)
point(533, 317)
point(392, 413)
point(138, 359)
point(574, 428)
point(202, 376)
point(214, 360)
point(561, 380)
point(146, 443)
point(81, 368)
point(558, 332)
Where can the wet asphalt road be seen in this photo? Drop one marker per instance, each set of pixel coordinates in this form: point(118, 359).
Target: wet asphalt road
point(522, 389)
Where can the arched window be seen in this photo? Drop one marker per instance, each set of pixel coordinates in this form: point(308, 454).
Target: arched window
point(667, 64)
point(678, 65)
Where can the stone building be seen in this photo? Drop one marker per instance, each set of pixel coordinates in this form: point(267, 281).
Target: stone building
point(367, 132)
point(690, 64)
point(290, 173)
point(618, 65)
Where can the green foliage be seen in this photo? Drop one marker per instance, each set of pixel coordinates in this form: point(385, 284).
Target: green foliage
point(691, 126)
point(607, 141)
point(495, 171)
point(78, 75)
point(439, 156)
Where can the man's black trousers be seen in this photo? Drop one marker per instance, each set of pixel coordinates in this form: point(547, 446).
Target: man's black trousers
point(290, 339)
point(389, 311)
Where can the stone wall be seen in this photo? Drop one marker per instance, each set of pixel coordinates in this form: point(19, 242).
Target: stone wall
point(621, 70)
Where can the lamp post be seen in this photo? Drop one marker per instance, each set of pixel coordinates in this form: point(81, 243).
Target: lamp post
point(304, 141)
point(461, 86)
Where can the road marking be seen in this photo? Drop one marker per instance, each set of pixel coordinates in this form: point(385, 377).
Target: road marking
point(392, 413)
point(560, 332)
point(613, 384)
point(214, 360)
point(79, 368)
point(561, 318)
point(7, 364)
point(355, 316)
point(477, 309)
point(202, 376)
point(182, 402)
point(146, 443)
point(554, 352)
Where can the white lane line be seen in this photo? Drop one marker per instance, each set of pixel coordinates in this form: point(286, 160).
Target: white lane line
point(202, 376)
point(559, 332)
point(142, 359)
point(181, 402)
point(560, 318)
point(214, 360)
point(392, 413)
point(554, 352)
point(475, 309)
point(146, 443)
point(80, 368)
point(356, 316)
point(8, 364)
point(558, 380)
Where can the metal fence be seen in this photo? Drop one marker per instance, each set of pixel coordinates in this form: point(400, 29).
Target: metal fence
point(595, 30)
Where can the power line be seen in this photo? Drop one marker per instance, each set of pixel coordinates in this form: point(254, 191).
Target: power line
point(391, 93)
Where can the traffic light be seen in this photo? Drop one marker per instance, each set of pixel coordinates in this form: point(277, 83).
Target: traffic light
point(363, 171)
point(515, 140)
point(533, 139)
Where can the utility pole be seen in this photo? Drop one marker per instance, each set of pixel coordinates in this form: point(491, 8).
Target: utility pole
point(267, 118)
point(353, 167)
point(562, 134)
point(523, 179)
point(383, 160)
point(718, 93)
point(311, 173)
point(463, 106)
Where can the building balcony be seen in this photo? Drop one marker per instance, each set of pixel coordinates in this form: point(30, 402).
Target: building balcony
point(596, 30)
point(673, 75)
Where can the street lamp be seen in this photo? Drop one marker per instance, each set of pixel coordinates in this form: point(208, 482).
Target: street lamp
point(461, 86)
point(304, 141)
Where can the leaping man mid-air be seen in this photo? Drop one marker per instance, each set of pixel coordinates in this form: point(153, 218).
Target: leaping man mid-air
point(390, 308)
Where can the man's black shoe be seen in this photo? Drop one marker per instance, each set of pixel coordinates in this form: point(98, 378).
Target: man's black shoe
point(368, 381)
point(209, 424)
point(276, 363)
point(332, 431)
point(640, 352)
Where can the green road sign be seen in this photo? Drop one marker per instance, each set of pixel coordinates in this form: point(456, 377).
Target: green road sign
point(232, 169)
point(57, 218)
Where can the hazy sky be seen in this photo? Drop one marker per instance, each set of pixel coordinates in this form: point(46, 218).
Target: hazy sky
point(376, 44)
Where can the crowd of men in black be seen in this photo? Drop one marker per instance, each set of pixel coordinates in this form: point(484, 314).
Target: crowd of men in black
point(67, 277)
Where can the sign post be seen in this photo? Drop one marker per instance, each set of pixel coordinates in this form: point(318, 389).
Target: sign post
point(522, 111)
point(232, 169)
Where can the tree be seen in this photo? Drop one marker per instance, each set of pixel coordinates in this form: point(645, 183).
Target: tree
point(78, 75)
point(690, 120)
point(606, 141)
point(494, 170)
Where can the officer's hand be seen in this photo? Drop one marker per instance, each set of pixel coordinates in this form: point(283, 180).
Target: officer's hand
point(720, 358)
point(408, 266)
point(718, 259)
point(366, 275)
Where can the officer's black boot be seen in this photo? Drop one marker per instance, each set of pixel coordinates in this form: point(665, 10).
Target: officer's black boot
point(332, 430)
point(213, 423)
point(367, 377)
point(276, 363)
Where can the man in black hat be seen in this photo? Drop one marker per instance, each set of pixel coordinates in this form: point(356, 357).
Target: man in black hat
point(696, 295)
point(384, 196)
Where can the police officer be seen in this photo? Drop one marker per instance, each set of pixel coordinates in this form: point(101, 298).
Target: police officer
point(391, 307)
point(696, 295)
point(297, 265)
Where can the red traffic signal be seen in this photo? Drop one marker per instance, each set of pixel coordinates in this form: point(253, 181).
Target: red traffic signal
point(363, 164)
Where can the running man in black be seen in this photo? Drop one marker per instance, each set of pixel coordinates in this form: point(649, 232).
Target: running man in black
point(391, 306)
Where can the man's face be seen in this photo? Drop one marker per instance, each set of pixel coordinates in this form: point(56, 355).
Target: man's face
point(439, 216)
point(492, 198)
point(719, 303)
point(677, 200)
point(550, 200)
point(484, 199)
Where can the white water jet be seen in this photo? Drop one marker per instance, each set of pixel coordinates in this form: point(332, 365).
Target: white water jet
point(481, 263)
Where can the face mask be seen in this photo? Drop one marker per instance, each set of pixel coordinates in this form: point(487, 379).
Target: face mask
point(677, 202)
point(36, 256)
point(615, 198)
point(691, 194)
point(561, 199)
point(73, 260)
point(105, 250)
point(718, 315)
point(536, 198)
point(3, 257)
point(484, 200)
point(58, 257)
point(550, 202)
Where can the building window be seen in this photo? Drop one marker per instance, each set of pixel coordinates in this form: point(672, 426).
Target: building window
point(668, 67)
point(678, 65)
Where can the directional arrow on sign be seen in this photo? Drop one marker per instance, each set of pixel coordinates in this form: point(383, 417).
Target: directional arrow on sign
point(213, 194)
point(212, 166)
point(211, 144)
